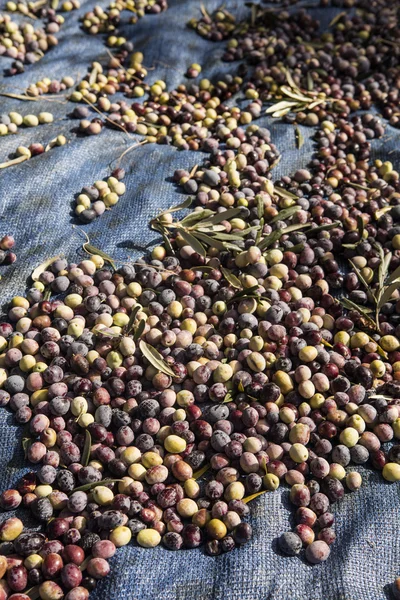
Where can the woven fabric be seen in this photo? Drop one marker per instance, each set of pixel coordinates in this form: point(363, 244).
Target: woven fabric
point(35, 206)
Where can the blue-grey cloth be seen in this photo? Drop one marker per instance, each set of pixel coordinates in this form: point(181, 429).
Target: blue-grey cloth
point(35, 206)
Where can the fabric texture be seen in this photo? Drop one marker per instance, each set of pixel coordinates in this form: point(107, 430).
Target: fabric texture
point(36, 207)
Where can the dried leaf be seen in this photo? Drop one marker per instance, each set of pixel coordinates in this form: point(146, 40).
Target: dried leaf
point(350, 305)
point(281, 113)
point(296, 95)
point(19, 96)
point(86, 449)
point(155, 358)
point(299, 137)
point(200, 472)
point(326, 344)
point(264, 465)
point(284, 104)
point(231, 278)
point(93, 250)
point(43, 267)
point(91, 486)
point(379, 213)
point(193, 242)
point(253, 496)
point(139, 329)
point(14, 161)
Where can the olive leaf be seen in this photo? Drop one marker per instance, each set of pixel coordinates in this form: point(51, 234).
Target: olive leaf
point(228, 398)
point(43, 267)
point(195, 216)
point(164, 232)
point(33, 592)
point(264, 464)
point(186, 204)
point(210, 241)
point(200, 472)
point(105, 331)
point(395, 275)
point(387, 294)
point(132, 318)
point(193, 242)
point(26, 444)
point(90, 486)
point(155, 358)
point(240, 387)
point(86, 449)
point(337, 18)
point(286, 213)
point(93, 250)
point(260, 207)
point(327, 227)
point(360, 226)
point(350, 305)
point(253, 496)
point(231, 278)
point(225, 215)
point(299, 137)
point(279, 191)
point(139, 329)
point(85, 563)
point(240, 295)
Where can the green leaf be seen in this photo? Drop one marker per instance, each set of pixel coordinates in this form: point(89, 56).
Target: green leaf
point(337, 18)
point(43, 267)
point(241, 294)
point(323, 228)
point(86, 449)
point(167, 241)
point(260, 207)
point(26, 444)
point(200, 472)
point(231, 278)
point(286, 213)
point(299, 137)
point(264, 465)
point(93, 250)
point(186, 204)
point(228, 398)
point(91, 486)
point(296, 95)
point(387, 294)
point(310, 82)
point(132, 318)
point(270, 239)
point(33, 592)
point(253, 496)
point(193, 242)
point(105, 332)
point(395, 275)
point(85, 563)
point(195, 216)
point(360, 226)
point(359, 275)
point(225, 215)
point(210, 241)
point(240, 387)
point(297, 248)
point(155, 358)
point(350, 305)
point(139, 329)
point(279, 191)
